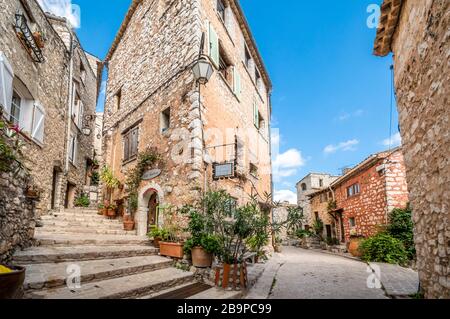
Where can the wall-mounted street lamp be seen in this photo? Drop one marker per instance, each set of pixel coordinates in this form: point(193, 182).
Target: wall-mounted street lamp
point(203, 70)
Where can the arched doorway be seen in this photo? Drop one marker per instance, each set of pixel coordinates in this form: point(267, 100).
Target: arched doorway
point(150, 198)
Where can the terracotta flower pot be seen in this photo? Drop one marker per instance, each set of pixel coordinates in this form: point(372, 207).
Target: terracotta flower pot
point(111, 213)
point(156, 242)
point(128, 225)
point(353, 247)
point(174, 250)
point(200, 258)
point(10, 283)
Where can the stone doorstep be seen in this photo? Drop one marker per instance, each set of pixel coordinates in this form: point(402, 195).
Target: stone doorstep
point(218, 294)
point(52, 239)
point(118, 226)
point(75, 215)
point(49, 276)
point(132, 286)
point(82, 230)
point(69, 219)
point(40, 255)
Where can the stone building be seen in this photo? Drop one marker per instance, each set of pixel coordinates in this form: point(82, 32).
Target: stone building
point(49, 90)
point(417, 34)
point(319, 205)
point(153, 100)
point(310, 184)
point(368, 193)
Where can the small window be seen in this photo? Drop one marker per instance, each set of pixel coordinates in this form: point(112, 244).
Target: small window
point(73, 148)
point(304, 187)
point(221, 9)
point(316, 215)
point(15, 109)
point(225, 66)
point(320, 182)
point(257, 76)
point(352, 222)
point(353, 190)
point(130, 144)
point(165, 120)
point(248, 58)
point(253, 170)
point(118, 100)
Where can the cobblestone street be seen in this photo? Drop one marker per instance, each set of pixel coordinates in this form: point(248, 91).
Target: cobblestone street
point(307, 274)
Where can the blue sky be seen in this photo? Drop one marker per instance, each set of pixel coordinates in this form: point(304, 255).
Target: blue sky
point(331, 96)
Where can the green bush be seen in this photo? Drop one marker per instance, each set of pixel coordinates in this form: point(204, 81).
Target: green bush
point(303, 233)
point(401, 227)
point(82, 201)
point(384, 248)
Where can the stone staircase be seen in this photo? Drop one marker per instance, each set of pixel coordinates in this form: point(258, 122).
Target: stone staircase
point(112, 263)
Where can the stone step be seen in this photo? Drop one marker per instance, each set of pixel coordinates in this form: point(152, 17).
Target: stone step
point(54, 275)
point(49, 254)
point(82, 219)
point(79, 210)
point(70, 224)
point(132, 286)
point(77, 215)
point(83, 230)
point(51, 239)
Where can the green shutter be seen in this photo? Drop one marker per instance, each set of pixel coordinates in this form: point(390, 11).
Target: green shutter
point(256, 115)
point(237, 83)
point(213, 45)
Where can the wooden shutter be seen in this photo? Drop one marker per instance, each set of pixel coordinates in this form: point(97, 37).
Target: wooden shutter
point(134, 142)
point(237, 82)
point(126, 147)
point(81, 114)
point(37, 132)
point(255, 115)
point(6, 83)
point(214, 46)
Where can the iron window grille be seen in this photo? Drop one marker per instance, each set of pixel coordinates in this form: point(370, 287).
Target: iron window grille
point(25, 34)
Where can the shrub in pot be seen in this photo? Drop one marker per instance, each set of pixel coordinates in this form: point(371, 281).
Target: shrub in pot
point(172, 243)
point(112, 211)
point(128, 223)
point(157, 235)
point(202, 250)
point(101, 209)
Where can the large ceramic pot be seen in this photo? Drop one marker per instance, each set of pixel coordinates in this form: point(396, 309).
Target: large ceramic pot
point(353, 246)
point(200, 258)
point(174, 250)
point(11, 283)
point(128, 225)
point(156, 242)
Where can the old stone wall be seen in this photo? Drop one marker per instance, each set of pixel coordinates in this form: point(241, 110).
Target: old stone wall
point(47, 84)
point(17, 219)
point(421, 49)
point(319, 204)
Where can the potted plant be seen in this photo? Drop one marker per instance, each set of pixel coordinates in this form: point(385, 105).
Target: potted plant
point(172, 245)
point(112, 211)
point(11, 281)
point(39, 39)
point(157, 235)
point(101, 209)
point(203, 244)
point(82, 201)
point(110, 181)
point(128, 222)
point(355, 242)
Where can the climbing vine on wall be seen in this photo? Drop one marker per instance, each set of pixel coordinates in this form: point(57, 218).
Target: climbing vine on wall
point(146, 160)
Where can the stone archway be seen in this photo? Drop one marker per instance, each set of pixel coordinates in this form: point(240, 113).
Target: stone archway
point(144, 198)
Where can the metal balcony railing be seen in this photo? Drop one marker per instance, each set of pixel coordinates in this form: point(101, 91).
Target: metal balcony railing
point(24, 32)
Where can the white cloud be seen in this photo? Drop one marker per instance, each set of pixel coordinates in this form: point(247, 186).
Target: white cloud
point(394, 141)
point(285, 196)
point(63, 8)
point(344, 146)
point(287, 164)
point(347, 116)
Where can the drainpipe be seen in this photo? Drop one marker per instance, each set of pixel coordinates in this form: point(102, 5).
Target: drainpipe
point(69, 117)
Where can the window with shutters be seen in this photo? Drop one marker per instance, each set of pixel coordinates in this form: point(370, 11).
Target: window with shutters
point(225, 66)
point(258, 120)
point(221, 9)
point(15, 109)
point(82, 73)
point(6, 84)
point(353, 190)
point(73, 148)
point(130, 144)
point(248, 57)
point(253, 170)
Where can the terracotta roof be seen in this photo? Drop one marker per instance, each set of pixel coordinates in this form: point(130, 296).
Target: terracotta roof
point(371, 160)
point(390, 14)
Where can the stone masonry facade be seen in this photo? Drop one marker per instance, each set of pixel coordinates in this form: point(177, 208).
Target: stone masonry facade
point(382, 187)
point(418, 35)
point(44, 89)
point(151, 88)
